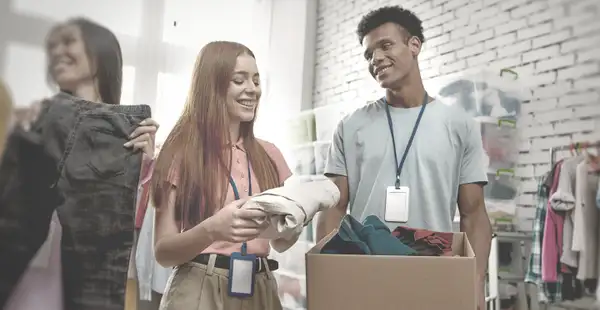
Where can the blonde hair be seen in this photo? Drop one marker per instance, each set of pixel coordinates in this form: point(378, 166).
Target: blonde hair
point(6, 113)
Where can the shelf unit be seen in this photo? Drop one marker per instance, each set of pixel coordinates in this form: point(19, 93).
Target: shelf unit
point(521, 247)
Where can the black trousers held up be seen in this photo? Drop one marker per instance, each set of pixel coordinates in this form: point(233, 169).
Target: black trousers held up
point(91, 180)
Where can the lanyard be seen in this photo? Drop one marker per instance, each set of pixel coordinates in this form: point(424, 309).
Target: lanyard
point(236, 195)
point(410, 141)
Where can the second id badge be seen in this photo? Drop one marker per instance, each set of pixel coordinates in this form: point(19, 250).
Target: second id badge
point(396, 204)
point(241, 275)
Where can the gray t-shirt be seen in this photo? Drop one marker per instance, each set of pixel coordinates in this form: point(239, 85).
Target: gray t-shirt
point(446, 152)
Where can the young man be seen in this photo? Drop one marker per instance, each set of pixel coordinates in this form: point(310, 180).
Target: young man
point(444, 160)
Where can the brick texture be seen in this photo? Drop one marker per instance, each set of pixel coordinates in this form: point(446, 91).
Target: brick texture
point(554, 45)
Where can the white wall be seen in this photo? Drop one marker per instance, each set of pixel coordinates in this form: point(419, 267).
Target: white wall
point(291, 66)
point(553, 44)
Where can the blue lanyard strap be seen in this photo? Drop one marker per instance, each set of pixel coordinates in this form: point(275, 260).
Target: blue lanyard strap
point(236, 195)
point(410, 141)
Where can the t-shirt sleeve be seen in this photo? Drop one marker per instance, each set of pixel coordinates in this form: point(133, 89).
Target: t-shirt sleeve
point(277, 157)
point(336, 158)
point(472, 166)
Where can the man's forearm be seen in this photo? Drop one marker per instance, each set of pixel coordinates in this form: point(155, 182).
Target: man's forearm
point(479, 231)
point(328, 221)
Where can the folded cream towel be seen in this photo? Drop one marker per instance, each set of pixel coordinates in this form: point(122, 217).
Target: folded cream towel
point(291, 207)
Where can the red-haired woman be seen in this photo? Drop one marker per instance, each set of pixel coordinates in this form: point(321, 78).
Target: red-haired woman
point(210, 163)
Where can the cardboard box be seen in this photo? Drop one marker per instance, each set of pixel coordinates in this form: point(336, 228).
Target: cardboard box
point(364, 282)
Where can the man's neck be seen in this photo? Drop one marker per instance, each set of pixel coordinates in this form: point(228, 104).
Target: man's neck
point(409, 95)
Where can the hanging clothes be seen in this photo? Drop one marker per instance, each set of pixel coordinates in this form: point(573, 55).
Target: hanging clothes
point(585, 235)
point(151, 276)
point(546, 293)
point(564, 199)
point(553, 234)
point(598, 206)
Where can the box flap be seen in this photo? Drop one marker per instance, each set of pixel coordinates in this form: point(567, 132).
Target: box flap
point(461, 245)
point(317, 248)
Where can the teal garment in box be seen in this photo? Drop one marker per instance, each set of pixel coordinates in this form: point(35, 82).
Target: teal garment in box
point(372, 237)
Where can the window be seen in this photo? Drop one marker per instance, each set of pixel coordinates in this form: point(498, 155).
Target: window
point(191, 24)
point(123, 17)
point(25, 73)
point(128, 90)
point(171, 96)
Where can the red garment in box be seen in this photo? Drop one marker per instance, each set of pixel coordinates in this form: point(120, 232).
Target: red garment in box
point(425, 242)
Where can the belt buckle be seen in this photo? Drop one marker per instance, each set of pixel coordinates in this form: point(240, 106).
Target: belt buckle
point(259, 265)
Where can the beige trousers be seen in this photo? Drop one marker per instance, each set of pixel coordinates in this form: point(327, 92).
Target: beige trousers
point(194, 286)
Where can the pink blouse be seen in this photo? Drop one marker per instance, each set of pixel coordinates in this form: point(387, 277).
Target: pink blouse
point(239, 171)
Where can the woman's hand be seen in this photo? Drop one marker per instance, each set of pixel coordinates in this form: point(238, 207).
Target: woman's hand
point(142, 138)
point(233, 224)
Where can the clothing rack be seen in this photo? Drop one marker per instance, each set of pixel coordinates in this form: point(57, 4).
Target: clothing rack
point(572, 147)
point(585, 303)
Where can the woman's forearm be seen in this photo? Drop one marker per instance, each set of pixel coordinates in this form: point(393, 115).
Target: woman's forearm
point(183, 247)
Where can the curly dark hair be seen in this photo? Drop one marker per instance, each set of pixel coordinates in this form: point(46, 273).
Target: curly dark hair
point(390, 14)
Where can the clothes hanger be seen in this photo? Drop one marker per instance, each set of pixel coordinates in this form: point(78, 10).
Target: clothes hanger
point(593, 160)
point(507, 70)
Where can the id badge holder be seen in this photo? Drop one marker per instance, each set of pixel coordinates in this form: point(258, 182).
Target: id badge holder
point(396, 204)
point(242, 267)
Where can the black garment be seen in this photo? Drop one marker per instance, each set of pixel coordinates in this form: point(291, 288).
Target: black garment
point(571, 287)
point(86, 174)
point(26, 206)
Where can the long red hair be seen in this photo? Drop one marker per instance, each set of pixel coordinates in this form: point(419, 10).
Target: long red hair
point(197, 147)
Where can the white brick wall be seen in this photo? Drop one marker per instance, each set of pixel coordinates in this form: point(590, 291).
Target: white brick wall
point(553, 44)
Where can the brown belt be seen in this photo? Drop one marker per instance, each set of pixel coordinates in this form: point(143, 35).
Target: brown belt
point(222, 262)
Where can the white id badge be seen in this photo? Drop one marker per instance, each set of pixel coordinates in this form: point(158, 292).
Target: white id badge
point(241, 275)
point(396, 204)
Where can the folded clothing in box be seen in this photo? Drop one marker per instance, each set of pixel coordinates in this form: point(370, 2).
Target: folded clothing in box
point(373, 237)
